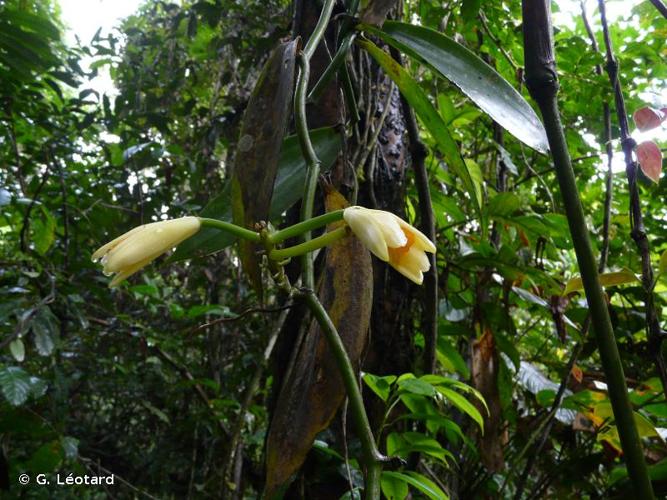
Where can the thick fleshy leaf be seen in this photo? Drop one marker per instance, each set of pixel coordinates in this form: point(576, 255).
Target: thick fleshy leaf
point(429, 116)
point(606, 279)
point(258, 148)
point(650, 160)
point(313, 390)
point(288, 189)
point(648, 118)
point(479, 81)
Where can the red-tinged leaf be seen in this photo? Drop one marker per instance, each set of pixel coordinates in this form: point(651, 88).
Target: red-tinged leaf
point(648, 118)
point(650, 160)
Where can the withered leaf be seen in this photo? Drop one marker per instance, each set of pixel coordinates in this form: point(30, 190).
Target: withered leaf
point(258, 149)
point(313, 390)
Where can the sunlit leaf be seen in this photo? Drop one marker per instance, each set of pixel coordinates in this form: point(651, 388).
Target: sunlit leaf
point(474, 77)
point(606, 279)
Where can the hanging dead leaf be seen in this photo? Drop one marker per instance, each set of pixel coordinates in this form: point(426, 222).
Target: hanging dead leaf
point(650, 160)
point(648, 118)
point(313, 389)
point(258, 149)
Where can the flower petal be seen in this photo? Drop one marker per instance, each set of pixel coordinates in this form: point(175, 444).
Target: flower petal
point(367, 230)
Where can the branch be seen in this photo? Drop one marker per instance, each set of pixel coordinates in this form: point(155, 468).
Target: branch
point(653, 330)
point(661, 7)
point(542, 83)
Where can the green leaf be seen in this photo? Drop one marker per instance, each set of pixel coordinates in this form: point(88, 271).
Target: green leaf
point(44, 328)
point(47, 458)
point(416, 386)
point(503, 205)
point(393, 488)
point(479, 81)
point(44, 231)
point(17, 348)
point(462, 404)
point(450, 358)
point(422, 483)
point(662, 266)
point(606, 279)
point(15, 385)
point(288, 189)
point(380, 385)
point(405, 443)
point(470, 9)
point(429, 116)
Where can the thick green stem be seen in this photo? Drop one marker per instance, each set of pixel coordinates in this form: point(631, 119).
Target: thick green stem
point(308, 246)
point(239, 231)
point(306, 225)
point(312, 161)
point(372, 458)
point(542, 82)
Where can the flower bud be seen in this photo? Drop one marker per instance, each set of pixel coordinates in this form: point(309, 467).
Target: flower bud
point(135, 249)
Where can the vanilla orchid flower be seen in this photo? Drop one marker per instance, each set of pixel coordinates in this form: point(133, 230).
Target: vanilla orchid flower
point(135, 249)
point(392, 240)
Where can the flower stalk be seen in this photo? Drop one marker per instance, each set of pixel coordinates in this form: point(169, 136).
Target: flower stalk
point(309, 246)
point(228, 227)
point(306, 225)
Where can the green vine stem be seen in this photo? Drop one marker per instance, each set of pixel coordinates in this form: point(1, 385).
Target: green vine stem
point(542, 82)
point(372, 458)
point(337, 61)
point(308, 246)
point(228, 227)
point(312, 161)
point(306, 225)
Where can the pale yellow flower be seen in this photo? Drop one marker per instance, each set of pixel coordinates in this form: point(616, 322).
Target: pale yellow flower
point(392, 240)
point(135, 249)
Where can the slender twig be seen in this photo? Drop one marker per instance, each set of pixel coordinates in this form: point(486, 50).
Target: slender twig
point(542, 82)
point(609, 150)
point(241, 316)
point(251, 390)
point(498, 44)
point(604, 253)
point(638, 231)
point(372, 143)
